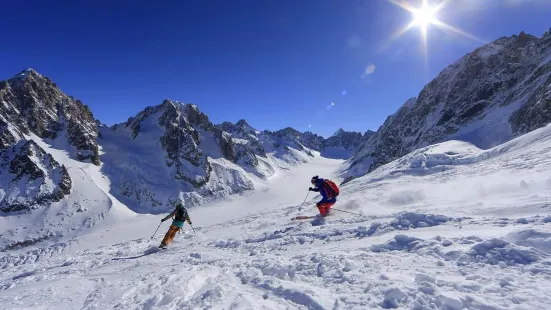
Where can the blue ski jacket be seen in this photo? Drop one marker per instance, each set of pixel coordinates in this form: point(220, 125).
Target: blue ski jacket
point(321, 189)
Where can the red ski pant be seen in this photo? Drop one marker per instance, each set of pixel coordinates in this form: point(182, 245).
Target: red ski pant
point(324, 207)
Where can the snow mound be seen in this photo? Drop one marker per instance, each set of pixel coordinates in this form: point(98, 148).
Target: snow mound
point(437, 157)
point(416, 220)
point(453, 155)
point(400, 243)
point(531, 238)
point(496, 251)
point(393, 297)
point(230, 243)
point(404, 221)
point(40, 254)
point(430, 160)
point(493, 251)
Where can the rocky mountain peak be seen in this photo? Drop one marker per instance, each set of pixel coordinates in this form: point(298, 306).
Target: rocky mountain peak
point(369, 133)
point(523, 38)
point(245, 127)
point(30, 80)
point(289, 131)
point(28, 73)
point(34, 104)
point(524, 35)
point(196, 117)
point(242, 123)
point(339, 131)
point(487, 97)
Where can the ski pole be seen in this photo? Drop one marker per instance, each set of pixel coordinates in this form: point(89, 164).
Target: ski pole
point(346, 211)
point(156, 230)
point(300, 209)
point(193, 230)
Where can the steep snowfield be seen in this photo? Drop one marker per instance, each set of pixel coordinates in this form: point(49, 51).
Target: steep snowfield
point(88, 204)
point(448, 226)
point(487, 97)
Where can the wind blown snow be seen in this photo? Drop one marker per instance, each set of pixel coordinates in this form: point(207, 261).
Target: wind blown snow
point(448, 226)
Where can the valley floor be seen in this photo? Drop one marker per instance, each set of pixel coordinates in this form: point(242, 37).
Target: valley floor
point(470, 230)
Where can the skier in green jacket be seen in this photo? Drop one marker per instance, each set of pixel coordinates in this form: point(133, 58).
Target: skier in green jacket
point(180, 216)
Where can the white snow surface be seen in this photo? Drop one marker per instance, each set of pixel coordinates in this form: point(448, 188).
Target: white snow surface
point(88, 204)
point(448, 226)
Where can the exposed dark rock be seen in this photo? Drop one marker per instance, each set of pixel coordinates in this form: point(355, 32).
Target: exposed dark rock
point(30, 168)
point(34, 104)
point(505, 83)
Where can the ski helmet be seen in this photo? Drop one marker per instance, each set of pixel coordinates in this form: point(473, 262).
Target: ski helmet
point(314, 180)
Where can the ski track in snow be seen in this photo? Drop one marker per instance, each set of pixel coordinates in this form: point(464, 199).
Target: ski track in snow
point(448, 227)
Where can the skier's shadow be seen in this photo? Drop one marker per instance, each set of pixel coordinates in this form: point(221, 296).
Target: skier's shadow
point(147, 252)
point(132, 257)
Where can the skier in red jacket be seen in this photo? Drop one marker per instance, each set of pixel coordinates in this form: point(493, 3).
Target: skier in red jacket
point(329, 192)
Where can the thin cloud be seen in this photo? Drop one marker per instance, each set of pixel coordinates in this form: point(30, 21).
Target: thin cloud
point(344, 92)
point(369, 70)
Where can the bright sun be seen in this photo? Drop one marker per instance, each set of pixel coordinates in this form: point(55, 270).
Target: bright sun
point(424, 16)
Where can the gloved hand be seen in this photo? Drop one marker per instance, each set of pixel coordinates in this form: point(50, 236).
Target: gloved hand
point(190, 223)
point(310, 189)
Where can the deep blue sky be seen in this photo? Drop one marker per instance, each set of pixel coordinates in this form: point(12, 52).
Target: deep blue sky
point(274, 63)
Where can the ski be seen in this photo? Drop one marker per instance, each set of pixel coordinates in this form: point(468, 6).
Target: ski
point(303, 217)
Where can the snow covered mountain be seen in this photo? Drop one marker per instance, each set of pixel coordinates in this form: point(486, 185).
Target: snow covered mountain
point(499, 91)
point(448, 226)
point(278, 141)
point(165, 153)
point(33, 105)
point(172, 151)
point(342, 144)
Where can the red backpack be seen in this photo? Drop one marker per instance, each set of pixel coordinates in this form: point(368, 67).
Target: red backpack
point(331, 188)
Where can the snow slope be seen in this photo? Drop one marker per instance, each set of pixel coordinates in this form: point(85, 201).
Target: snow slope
point(87, 204)
point(448, 226)
point(497, 92)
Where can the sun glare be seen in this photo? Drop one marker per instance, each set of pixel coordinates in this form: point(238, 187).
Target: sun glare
point(424, 16)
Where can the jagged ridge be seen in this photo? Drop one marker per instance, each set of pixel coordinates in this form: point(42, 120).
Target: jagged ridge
point(497, 92)
point(34, 104)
